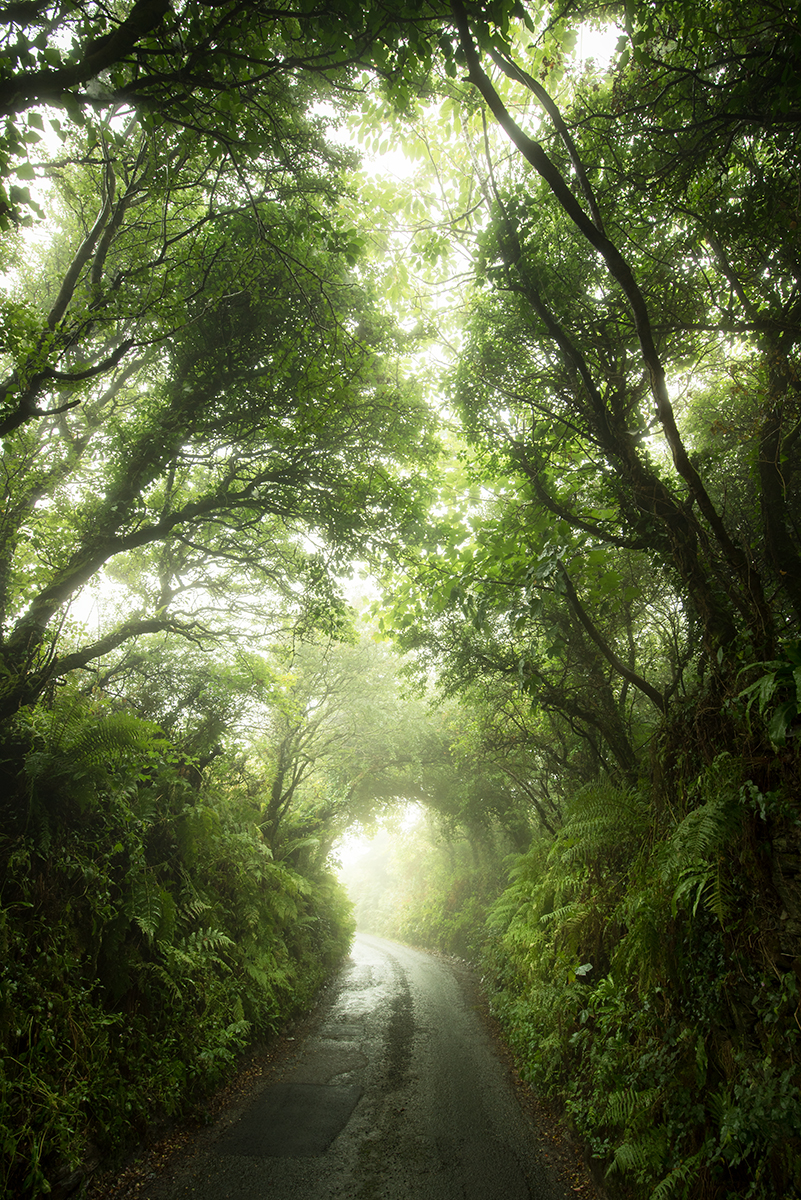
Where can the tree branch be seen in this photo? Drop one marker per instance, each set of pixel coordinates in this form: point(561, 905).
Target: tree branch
point(597, 638)
point(621, 272)
point(21, 91)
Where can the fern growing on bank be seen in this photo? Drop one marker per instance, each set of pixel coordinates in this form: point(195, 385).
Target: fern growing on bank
point(621, 955)
point(146, 936)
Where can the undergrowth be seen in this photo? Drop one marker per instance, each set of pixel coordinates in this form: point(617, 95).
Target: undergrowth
point(146, 937)
point(638, 967)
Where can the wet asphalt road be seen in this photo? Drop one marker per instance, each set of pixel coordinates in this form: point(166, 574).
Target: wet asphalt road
point(395, 1094)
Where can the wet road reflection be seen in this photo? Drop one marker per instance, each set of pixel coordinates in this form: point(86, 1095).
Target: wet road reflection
point(396, 1093)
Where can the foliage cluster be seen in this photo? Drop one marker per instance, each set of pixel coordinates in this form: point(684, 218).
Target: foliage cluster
point(148, 935)
point(634, 968)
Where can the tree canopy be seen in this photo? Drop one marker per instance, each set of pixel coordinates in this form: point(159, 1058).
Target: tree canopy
point(207, 406)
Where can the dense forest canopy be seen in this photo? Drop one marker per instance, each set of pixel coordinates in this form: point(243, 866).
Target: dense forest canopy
point(294, 295)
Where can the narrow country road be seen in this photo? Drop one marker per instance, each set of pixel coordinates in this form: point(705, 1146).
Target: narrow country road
point(395, 1094)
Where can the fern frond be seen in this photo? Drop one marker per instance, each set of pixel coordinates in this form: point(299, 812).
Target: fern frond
point(561, 916)
point(192, 908)
point(705, 830)
point(207, 941)
point(644, 913)
point(628, 1105)
point(679, 1177)
point(258, 976)
point(601, 818)
point(110, 737)
point(643, 1156)
point(691, 858)
point(144, 906)
point(157, 971)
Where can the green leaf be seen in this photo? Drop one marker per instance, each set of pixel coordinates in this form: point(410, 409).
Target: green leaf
point(780, 721)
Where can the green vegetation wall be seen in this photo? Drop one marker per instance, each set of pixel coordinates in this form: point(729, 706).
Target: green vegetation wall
point(636, 963)
point(147, 934)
